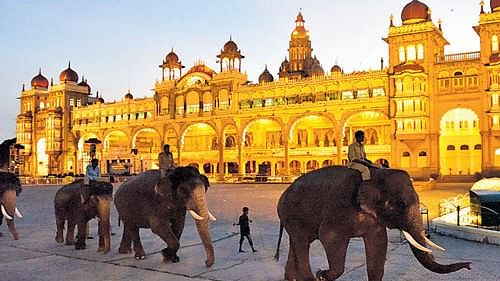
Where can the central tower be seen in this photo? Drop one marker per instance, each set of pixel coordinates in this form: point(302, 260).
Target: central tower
point(301, 64)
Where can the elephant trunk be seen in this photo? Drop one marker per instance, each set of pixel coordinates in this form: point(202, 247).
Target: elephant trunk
point(427, 259)
point(199, 205)
point(104, 223)
point(8, 206)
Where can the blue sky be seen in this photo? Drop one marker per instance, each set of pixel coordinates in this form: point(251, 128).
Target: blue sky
point(118, 45)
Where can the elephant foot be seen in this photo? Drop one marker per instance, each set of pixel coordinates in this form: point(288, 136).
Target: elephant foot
point(70, 242)
point(170, 255)
point(59, 240)
point(80, 245)
point(321, 275)
point(125, 250)
point(140, 257)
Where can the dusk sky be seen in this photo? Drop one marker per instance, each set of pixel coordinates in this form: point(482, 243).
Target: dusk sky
point(118, 45)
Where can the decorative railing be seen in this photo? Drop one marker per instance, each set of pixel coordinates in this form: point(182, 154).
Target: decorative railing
point(459, 57)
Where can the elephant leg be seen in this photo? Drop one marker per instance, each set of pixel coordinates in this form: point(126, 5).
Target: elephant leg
point(167, 234)
point(335, 246)
point(178, 226)
point(140, 254)
point(291, 265)
point(12, 229)
point(300, 248)
point(70, 232)
point(81, 235)
point(126, 243)
point(60, 229)
point(376, 251)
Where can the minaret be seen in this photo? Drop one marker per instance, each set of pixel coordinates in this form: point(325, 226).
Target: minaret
point(300, 45)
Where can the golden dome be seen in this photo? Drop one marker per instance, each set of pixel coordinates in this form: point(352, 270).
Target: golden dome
point(68, 75)
point(415, 12)
point(39, 81)
point(495, 5)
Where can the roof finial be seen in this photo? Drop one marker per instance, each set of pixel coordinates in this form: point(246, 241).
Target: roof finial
point(230, 37)
point(23, 88)
point(482, 6)
point(51, 81)
point(439, 23)
point(40, 71)
point(69, 64)
point(391, 20)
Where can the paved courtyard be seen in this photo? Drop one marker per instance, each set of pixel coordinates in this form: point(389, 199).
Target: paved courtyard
point(36, 256)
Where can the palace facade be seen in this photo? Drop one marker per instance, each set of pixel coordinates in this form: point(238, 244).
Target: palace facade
point(427, 112)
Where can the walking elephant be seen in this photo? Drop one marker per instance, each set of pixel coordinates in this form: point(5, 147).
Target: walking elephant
point(77, 203)
point(331, 205)
point(10, 187)
point(149, 201)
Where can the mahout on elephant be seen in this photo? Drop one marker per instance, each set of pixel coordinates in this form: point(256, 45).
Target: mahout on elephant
point(331, 204)
point(77, 203)
point(10, 187)
point(149, 200)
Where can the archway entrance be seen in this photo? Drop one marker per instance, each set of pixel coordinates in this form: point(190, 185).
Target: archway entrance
point(460, 143)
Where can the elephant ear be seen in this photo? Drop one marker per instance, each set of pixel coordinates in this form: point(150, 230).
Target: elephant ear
point(84, 193)
point(368, 196)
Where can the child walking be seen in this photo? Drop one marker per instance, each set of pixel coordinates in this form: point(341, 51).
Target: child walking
point(244, 224)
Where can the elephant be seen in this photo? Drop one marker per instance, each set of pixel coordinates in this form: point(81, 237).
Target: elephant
point(333, 205)
point(160, 203)
point(77, 203)
point(10, 187)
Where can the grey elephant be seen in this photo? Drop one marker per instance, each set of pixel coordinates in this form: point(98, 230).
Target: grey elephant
point(150, 201)
point(77, 203)
point(10, 187)
point(329, 204)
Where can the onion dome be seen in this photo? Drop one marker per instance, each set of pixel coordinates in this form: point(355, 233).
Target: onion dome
point(415, 12)
point(336, 68)
point(84, 83)
point(99, 99)
point(129, 96)
point(300, 31)
point(68, 75)
point(39, 81)
point(495, 5)
point(230, 46)
point(285, 65)
point(171, 57)
point(266, 76)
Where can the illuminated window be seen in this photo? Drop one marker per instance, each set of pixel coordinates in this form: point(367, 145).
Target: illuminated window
point(378, 92)
point(362, 94)
point(497, 152)
point(412, 53)
point(402, 56)
point(78, 103)
point(494, 43)
point(347, 95)
point(420, 51)
point(71, 102)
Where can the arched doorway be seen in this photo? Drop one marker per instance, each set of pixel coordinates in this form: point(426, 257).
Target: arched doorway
point(199, 144)
point(460, 143)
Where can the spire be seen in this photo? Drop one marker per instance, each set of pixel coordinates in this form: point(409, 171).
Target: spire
point(23, 87)
point(51, 81)
point(69, 64)
point(482, 6)
point(391, 20)
point(40, 71)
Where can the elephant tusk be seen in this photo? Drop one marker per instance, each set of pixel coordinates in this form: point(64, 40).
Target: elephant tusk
point(211, 217)
point(414, 243)
point(4, 212)
point(18, 214)
point(195, 215)
point(434, 245)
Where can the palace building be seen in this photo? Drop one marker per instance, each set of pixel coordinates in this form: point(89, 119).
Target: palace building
point(427, 112)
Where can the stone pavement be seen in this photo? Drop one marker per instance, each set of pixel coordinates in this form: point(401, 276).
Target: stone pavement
point(36, 256)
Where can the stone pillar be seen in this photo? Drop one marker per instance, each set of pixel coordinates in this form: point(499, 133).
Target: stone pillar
point(220, 176)
point(241, 159)
point(287, 157)
point(338, 137)
point(487, 151)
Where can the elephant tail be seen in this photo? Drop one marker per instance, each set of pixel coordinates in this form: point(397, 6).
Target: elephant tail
point(277, 254)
